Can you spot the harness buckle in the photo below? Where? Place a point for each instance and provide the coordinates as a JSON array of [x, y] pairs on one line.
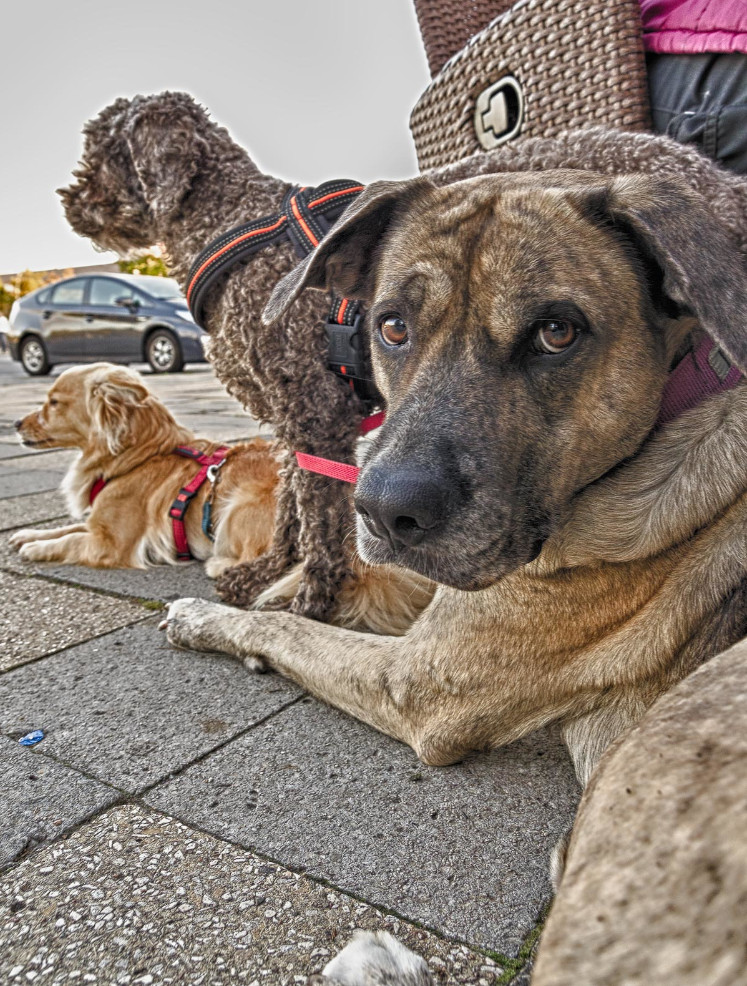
[[346, 356], [178, 508]]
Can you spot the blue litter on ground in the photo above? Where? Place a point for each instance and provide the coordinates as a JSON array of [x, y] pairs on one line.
[[32, 738]]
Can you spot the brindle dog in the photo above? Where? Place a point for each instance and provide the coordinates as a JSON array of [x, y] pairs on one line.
[[522, 329]]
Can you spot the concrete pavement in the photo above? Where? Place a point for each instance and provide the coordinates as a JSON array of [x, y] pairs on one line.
[[185, 822]]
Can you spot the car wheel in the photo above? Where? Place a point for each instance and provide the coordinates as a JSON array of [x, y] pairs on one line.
[[163, 352], [34, 358]]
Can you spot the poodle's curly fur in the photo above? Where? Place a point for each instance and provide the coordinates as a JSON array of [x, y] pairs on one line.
[[157, 169]]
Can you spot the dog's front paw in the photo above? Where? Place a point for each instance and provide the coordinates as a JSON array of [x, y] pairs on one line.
[[19, 538], [196, 624], [35, 551]]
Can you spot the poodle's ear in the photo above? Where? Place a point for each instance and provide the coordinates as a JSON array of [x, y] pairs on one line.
[[344, 261], [702, 267], [112, 396], [166, 135], [105, 202]]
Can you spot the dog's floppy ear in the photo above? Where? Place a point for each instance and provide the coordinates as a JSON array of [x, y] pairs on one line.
[[166, 138], [343, 261], [703, 267], [112, 396]]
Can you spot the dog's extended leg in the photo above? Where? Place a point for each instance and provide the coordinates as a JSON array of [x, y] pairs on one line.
[[79, 547], [372, 683], [28, 534]]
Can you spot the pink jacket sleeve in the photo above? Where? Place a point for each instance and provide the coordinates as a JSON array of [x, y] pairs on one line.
[[688, 27]]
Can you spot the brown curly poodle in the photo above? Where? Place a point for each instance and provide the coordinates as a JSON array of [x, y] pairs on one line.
[[157, 169]]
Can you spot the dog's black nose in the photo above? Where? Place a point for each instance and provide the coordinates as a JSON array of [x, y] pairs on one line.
[[17, 424], [400, 505]]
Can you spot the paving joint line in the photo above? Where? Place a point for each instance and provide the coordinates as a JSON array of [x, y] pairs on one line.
[[39, 520], [109, 593], [30, 850], [79, 643], [223, 743]]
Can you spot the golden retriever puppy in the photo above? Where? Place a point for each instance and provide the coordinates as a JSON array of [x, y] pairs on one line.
[[128, 476]]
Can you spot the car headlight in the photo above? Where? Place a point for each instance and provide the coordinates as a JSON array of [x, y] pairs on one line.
[[185, 313]]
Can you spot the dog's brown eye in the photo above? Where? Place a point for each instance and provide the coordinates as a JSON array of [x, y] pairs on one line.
[[554, 335], [393, 330], [52, 403]]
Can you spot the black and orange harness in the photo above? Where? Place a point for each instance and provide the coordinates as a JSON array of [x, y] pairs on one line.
[[307, 215]]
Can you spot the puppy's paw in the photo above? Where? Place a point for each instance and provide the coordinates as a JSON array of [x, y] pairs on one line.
[[377, 959], [196, 624], [19, 538], [36, 551], [217, 566]]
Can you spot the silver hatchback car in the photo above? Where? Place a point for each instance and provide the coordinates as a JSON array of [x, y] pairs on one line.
[[123, 318]]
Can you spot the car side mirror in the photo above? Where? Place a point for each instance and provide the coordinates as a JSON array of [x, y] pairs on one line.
[[131, 303]]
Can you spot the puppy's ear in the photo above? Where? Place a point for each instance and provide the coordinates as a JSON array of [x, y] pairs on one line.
[[703, 268], [166, 136], [112, 397], [344, 260]]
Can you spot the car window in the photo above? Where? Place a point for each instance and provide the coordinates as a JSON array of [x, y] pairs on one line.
[[163, 288], [106, 292], [68, 293], [43, 296]]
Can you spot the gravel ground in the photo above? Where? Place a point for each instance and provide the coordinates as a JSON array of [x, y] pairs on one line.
[[134, 897]]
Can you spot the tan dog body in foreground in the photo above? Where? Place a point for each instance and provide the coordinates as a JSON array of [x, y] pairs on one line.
[[127, 436], [491, 441]]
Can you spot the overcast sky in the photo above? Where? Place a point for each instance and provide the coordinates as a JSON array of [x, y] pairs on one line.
[[314, 89]]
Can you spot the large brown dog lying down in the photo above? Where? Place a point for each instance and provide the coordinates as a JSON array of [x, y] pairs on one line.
[[522, 329]]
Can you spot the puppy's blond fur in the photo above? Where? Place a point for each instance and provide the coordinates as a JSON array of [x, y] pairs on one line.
[[127, 437]]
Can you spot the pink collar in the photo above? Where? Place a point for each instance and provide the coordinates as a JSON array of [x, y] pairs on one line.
[[703, 372]]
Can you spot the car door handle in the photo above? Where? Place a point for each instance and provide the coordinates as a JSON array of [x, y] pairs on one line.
[[46, 314]]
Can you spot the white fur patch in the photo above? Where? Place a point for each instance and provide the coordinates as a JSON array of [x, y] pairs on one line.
[[378, 959]]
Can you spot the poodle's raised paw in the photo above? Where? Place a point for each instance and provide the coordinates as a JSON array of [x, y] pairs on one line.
[[197, 624], [377, 959]]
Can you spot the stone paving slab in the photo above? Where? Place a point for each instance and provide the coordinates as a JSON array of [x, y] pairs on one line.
[[41, 799], [31, 510], [53, 459], [38, 617], [10, 448], [128, 710], [133, 897], [16, 482], [464, 849], [161, 583]]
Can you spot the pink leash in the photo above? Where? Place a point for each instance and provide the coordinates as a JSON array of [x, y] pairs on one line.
[[339, 470]]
